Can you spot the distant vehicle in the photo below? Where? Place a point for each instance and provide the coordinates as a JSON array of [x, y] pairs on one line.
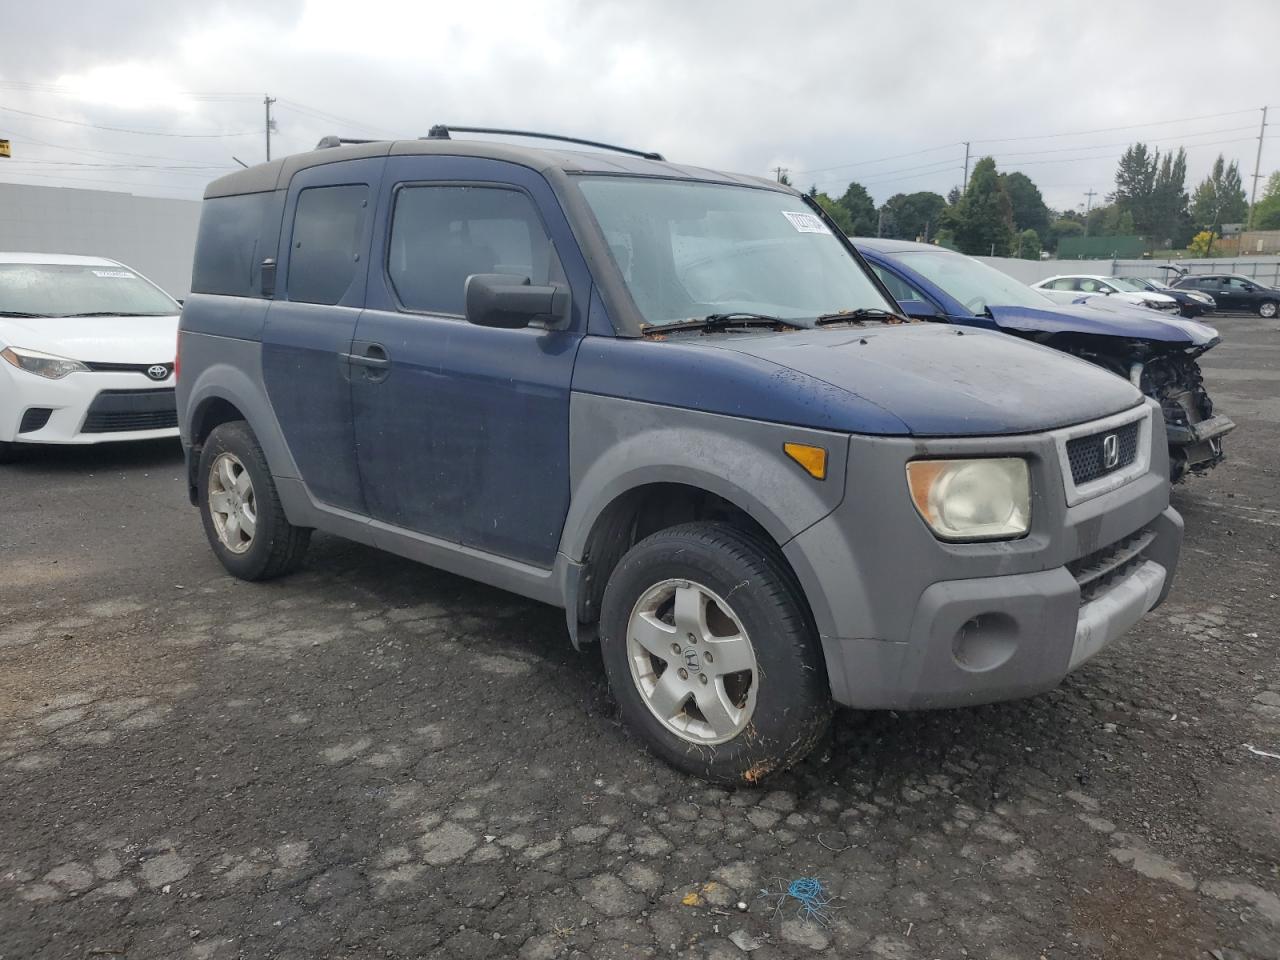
[[1070, 289], [1234, 292], [88, 345], [1156, 353], [677, 404], [1191, 303]]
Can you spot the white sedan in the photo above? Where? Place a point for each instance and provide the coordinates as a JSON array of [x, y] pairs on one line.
[[1072, 288], [86, 352]]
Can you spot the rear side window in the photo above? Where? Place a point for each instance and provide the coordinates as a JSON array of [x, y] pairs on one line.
[[442, 235], [900, 289], [328, 234], [236, 233]]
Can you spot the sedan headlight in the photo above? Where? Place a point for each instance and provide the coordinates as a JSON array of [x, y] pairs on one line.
[[41, 364], [1203, 298], [987, 499]]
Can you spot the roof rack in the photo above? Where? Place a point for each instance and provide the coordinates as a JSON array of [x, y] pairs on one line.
[[441, 131], [327, 142]]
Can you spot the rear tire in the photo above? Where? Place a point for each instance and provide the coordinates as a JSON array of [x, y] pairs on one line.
[[1267, 309], [711, 654], [241, 510]]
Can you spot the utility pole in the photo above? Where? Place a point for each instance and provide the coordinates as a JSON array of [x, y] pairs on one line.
[[780, 172], [267, 102], [1091, 193], [1257, 170], [965, 185]]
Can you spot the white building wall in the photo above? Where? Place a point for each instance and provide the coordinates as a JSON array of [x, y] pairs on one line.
[[154, 235]]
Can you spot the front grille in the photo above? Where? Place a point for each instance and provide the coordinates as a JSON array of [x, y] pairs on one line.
[[34, 419], [1087, 457], [131, 368], [119, 411], [1096, 571]]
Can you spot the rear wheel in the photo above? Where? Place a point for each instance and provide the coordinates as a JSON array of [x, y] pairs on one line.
[[711, 655], [1267, 309], [241, 510]]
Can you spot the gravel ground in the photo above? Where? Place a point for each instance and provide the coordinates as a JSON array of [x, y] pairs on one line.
[[374, 759]]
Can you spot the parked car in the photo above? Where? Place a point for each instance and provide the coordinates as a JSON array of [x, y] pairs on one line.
[[1156, 353], [1191, 303], [676, 403], [1232, 292], [1070, 289], [88, 345]]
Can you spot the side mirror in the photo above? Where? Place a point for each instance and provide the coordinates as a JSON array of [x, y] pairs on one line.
[[918, 309], [511, 302]]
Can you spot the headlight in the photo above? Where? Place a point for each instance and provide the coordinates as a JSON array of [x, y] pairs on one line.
[[987, 499], [1202, 298], [41, 364]]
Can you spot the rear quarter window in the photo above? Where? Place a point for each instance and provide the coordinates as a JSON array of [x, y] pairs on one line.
[[236, 233]]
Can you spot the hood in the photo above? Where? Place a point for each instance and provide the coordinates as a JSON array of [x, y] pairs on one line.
[[1106, 319], [941, 380], [95, 339]]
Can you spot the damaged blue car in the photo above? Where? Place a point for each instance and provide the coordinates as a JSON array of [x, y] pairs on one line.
[[1158, 354]]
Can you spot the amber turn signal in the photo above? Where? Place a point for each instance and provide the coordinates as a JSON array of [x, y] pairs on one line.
[[813, 459]]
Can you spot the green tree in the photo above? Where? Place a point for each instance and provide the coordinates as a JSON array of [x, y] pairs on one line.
[[1220, 197], [1064, 226], [1266, 215], [836, 211], [912, 216], [861, 209], [1170, 219], [1135, 185], [1029, 209], [1028, 245], [983, 219]]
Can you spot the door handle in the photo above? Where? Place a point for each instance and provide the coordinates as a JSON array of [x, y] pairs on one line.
[[365, 354]]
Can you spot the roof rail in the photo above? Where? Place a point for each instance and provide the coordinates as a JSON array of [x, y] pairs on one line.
[[327, 142], [441, 132]]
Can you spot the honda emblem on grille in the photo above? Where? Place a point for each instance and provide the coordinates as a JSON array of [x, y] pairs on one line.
[[1110, 450], [158, 372]]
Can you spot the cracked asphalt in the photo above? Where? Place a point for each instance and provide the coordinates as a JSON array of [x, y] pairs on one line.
[[375, 759]]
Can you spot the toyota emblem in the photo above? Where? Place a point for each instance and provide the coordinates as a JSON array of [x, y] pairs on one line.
[[1110, 450], [158, 371]]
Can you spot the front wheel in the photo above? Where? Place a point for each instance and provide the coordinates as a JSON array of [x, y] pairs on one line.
[[241, 510], [711, 655], [1267, 309]]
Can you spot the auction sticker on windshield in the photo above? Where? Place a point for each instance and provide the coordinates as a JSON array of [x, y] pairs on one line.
[[805, 222], [116, 274]]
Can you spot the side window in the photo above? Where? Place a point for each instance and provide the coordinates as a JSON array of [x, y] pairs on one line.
[[235, 234], [900, 289], [327, 229], [1086, 285], [1064, 283], [442, 235]]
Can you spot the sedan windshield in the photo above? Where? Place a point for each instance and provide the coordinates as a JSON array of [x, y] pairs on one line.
[[690, 250], [972, 282], [1128, 286], [70, 290]]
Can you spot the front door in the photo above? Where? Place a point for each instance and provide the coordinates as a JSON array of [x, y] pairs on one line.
[[462, 431], [328, 221]]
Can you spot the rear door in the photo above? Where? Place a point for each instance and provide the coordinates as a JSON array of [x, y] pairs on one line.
[[463, 431], [320, 288]]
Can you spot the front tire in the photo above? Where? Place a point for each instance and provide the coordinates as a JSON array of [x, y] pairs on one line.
[[711, 654], [1267, 309], [241, 509]]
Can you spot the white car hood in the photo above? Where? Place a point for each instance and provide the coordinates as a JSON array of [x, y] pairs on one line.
[[95, 339]]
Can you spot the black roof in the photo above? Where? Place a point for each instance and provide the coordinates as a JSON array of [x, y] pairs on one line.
[[277, 174]]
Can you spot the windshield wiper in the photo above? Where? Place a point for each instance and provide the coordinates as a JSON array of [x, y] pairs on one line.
[[19, 313], [723, 321], [110, 313], [858, 315]]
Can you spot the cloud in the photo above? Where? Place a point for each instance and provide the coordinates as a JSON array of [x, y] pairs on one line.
[[743, 85]]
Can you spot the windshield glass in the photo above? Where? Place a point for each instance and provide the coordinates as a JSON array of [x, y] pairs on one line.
[[688, 250], [1141, 283], [970, 281], [61, 290], [1128, 286]]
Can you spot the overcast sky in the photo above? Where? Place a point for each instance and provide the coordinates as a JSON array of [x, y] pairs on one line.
[[881, 92]]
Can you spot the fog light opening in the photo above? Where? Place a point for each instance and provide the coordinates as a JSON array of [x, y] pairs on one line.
[[985, 642]]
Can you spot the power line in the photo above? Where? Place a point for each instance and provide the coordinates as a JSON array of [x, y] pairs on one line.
[[861, 163], [1132, 126], [145, 133]]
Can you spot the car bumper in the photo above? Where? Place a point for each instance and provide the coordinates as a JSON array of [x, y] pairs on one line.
[[87, 407], [907, 621]]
